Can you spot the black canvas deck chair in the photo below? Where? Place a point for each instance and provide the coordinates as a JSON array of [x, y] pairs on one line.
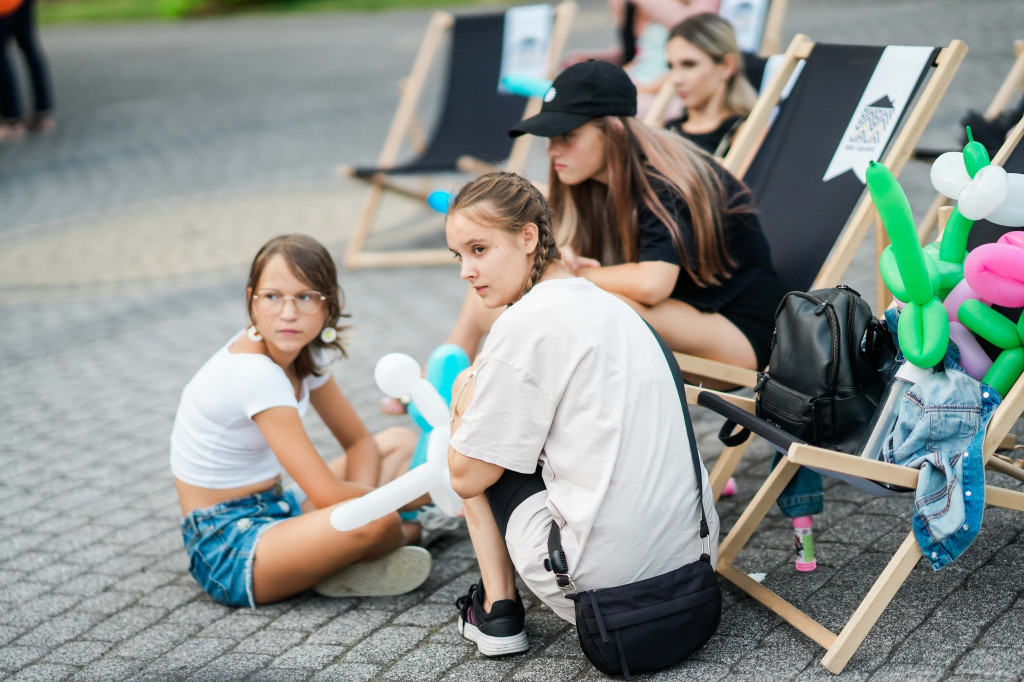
[[472, 129], [814, 210]]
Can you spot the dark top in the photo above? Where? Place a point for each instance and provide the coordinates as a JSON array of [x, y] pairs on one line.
[[711, 142], [752, 275]]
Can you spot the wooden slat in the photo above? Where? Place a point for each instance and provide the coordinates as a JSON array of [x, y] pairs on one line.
[[1002, 497], [851, 465], [695, 367]]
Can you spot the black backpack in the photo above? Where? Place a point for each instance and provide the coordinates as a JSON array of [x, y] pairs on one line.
[[827, 369]]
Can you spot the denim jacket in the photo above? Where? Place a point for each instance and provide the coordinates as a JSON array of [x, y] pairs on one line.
[[941, 430]]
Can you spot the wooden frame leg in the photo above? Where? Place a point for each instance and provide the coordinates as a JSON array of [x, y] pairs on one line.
[[870, 610], [358, 239]]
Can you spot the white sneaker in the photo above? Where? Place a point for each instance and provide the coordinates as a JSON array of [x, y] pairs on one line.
[[402, 571]]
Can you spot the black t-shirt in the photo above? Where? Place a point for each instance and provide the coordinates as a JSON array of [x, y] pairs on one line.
[[744, 242], [709, 142]]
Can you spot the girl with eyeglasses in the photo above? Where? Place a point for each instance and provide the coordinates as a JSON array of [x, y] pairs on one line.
[[249, 540]]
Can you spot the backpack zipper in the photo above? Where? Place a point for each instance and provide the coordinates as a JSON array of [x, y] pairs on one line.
[[824, 306]]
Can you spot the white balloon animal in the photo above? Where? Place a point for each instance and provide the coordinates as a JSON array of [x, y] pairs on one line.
[[397, 375], [992, 193]]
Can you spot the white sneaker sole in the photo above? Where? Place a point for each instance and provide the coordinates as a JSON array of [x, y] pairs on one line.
[[493, 646], [402, 571]]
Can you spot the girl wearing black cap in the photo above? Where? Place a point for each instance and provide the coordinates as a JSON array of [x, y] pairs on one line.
[[570, 413]]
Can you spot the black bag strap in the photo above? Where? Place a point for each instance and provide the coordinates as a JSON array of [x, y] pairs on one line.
[[557, 562]]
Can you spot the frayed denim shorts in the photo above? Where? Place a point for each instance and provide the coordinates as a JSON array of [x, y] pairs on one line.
[[220, 541]]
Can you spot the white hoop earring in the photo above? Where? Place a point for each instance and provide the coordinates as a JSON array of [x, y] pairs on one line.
[[253, 333], [329, 334]]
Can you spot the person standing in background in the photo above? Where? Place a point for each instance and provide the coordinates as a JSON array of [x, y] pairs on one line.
[[20, 25]]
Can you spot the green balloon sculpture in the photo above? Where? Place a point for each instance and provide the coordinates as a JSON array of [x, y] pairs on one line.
[[1002, 333], [924, 325], [954, 238]]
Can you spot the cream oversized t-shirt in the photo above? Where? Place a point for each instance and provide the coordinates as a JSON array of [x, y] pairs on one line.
[[571, 377]]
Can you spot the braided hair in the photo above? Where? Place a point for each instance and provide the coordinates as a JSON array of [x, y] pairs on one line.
[[510, 202]]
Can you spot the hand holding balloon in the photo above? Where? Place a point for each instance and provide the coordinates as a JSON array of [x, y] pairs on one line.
[[398, 374]]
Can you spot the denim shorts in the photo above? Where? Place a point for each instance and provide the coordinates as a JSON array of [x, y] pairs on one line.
[[220, 541]]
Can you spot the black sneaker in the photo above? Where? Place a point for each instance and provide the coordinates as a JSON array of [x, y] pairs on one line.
[[497, 633]]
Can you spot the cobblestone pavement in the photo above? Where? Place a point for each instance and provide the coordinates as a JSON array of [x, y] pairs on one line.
[[124, 237]]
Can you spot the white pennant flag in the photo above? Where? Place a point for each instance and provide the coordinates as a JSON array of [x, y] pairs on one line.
[[880, 107], [527, 38]]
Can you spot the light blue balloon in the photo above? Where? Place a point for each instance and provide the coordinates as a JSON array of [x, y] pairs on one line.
[[527, 86], [443, 366], [439, 200]]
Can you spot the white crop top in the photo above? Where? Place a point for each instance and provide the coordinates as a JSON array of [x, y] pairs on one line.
[[215, 443]]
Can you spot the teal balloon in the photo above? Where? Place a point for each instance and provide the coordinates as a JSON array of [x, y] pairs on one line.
[[527, 86], [443, 366], [439, 200]]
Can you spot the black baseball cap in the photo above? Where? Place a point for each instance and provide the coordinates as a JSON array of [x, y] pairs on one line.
[[583, 91]]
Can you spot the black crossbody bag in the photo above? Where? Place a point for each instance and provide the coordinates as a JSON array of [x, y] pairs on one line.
[[656, 622]]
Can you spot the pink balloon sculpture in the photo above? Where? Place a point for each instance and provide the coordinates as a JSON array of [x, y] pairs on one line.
[[994, 275]]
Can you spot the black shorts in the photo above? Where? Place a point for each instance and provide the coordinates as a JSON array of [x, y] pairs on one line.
[[509, 491], [753, 313]]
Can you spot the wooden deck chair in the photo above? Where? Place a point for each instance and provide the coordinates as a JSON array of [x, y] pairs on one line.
[[472, 129], [814, 226], [758, 27], [864, 474], [1011, 89]]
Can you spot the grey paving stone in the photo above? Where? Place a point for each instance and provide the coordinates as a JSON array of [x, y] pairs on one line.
[[38, 610], [231, 667], [903, 673], [308, 656], [108, 669], [189, 656], [691, 670], [16, 657], [544, 668], [24, 591], [154, 641], [281, 675], [936, 643], [270, 643], [312, 615], [480, 670], [85, 585], [109, 602], [43, 672], [350, 627], [236, 626], [60, 629], [992, 663], [347, 672], [201, 612], [722, 649], [427, 615], [386, 644], [78, 653], [773, 661], [126, 623], [426, 662]]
